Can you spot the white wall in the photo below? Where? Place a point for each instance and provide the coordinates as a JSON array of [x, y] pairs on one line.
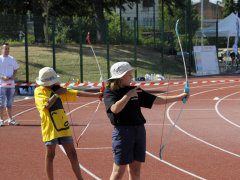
[[145, 15]]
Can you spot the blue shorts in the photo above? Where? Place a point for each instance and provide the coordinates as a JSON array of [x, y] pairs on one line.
[[6, 96], [66, 139], [129, 144]]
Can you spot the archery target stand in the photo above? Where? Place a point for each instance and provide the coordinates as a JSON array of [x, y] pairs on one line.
[[206, 61]]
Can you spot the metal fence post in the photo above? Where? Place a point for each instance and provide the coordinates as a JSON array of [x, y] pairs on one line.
[[53, 43], [135, 45], [81, 50], [137, 18], [107, 42], [162, 38], [154, 25], [189, 37], [26, 48]]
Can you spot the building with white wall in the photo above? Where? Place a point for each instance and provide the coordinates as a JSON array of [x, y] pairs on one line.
[[148, 11]]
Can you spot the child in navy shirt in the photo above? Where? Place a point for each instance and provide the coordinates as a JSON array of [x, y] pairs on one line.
[[123, 106]]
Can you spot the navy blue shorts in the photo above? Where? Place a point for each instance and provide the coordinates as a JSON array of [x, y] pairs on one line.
[[129, 144], [60, 140]]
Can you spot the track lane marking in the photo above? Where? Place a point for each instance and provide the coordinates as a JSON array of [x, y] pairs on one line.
[[194, 137], [81, 166], [175, 167], [224, 118], [150, 153]]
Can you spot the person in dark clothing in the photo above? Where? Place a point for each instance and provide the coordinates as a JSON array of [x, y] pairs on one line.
[[123, 106], [235, 59]]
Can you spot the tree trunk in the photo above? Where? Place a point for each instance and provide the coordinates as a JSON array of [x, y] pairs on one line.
[[101, 24], [46, 6], [46, 25], [38, 29]]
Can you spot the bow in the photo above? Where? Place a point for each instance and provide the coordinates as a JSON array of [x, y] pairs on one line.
[[101, 89], [186, 87], [184, 100], [96, 59], [70, 115]]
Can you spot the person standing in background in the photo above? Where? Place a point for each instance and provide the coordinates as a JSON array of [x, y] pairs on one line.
[[8, 71]]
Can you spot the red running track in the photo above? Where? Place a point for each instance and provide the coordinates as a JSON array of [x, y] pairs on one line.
[[204, 144]]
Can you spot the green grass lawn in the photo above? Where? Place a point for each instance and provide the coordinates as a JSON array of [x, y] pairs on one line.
[[68, 61]]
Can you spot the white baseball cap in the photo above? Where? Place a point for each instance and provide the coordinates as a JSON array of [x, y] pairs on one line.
[[47, 77], [119, 69]]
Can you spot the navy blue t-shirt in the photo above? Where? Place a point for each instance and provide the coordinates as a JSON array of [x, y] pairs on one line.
[[131, 113]]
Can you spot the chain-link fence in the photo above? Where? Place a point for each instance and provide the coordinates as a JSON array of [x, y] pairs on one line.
[[61, 43]]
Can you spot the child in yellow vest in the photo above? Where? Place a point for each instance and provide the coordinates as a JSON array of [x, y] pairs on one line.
[[49, 98]]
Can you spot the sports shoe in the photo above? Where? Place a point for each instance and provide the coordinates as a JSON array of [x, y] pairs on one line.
[[1, 123], [12, 122]]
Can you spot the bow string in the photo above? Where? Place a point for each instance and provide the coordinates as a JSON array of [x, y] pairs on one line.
[[102, 88], [184, 100]]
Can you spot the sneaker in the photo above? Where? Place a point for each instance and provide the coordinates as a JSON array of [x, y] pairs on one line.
[[1, 123], [12, 122]]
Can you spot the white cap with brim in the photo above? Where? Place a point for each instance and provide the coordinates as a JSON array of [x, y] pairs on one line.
[[47, 77], [119, 69]]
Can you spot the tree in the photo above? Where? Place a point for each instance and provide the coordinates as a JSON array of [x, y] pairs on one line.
[[230, 6], [81, 8], [99, 6], [92, 9], [14, 6], [172, 5], [46, 5], [63, 8], [12, 19]]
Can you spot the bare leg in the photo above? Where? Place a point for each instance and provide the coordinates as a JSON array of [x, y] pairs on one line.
[[50, 154], [117, 172], [72, 156], [134, 170]]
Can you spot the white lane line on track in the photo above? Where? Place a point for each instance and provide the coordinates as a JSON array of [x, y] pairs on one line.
[[147, 152], [18, 100], [232, 99], [157, 124], [82, 106], [22, 105], [178, 109], [24, 111], [94, 148], [30, 120], [175, 167], [81, 166], [194, 137], [151, 155], [197, 87], [224, 118], [165, 162], [168, 163]]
